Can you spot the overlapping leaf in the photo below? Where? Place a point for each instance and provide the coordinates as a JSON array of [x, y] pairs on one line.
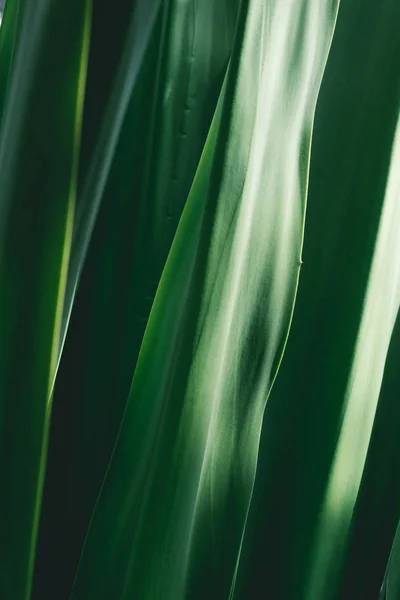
[[318, 422], [155, 150], [85, 230], [170, 517]]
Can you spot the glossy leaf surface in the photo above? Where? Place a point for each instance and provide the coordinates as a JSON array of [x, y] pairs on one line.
[[319, 418], [192, 422], [199, 299]]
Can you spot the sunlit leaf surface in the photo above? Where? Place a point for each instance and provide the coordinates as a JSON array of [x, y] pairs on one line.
[[318, 421], [199, 299], [149, 179], [217, 328], [380, 307]]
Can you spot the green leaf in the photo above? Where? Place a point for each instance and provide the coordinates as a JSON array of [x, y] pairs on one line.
[[319, 418], [7, 42], [179, 483], [141, 25], [155, 215], [168, 116], [39, 144], [377, 510], [391, 584]]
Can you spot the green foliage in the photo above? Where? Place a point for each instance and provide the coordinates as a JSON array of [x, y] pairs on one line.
[[39, 148], [199, 299]]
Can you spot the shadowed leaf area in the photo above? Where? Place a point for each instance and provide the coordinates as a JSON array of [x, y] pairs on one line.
[[199, 300]]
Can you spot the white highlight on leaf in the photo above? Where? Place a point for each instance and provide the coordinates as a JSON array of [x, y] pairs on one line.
[[381, 305]]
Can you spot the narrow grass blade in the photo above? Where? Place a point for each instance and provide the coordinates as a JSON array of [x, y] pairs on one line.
[[39, 137], [143, 19]]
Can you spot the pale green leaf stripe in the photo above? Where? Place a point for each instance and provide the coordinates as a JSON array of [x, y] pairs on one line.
[[265, 184], [258, 257], [380, 309], [252, 274]]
